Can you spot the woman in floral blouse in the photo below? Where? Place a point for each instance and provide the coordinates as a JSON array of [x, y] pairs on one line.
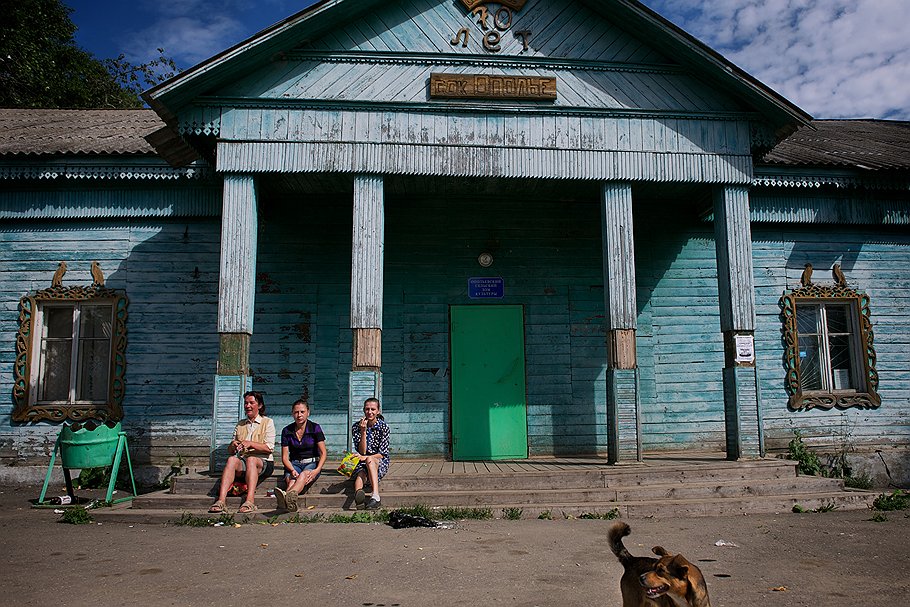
[[371, 441]]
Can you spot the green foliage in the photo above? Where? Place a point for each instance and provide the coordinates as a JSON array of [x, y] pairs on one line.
[[76, 515], [826, 507], [545, 515], [807, 461], [41, 66], [192, 520], [898, 500], [454, 513], [603, 516], [512, 514], [860, 481], [418, 510], [879, 517], [361, 516]]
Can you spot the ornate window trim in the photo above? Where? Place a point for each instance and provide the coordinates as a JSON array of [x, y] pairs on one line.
[[27, 411], [839, 292]]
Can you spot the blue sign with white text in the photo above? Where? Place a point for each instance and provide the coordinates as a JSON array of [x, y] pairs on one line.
[[485, 288]]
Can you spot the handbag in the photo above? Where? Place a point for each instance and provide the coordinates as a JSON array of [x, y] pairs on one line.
[[348, 463]]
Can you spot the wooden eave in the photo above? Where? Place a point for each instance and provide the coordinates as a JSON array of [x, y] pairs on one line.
[[169, 97]]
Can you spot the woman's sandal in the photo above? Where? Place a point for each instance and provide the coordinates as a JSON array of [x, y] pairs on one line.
[[218, 507], [247, 508]]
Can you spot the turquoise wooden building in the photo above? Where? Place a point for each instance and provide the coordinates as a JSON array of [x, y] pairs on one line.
[[530, 228]]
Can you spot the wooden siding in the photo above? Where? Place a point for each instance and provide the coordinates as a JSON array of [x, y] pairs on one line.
[[875, 260], [618, 255], [169, 270], [239, 233], [680, 346], [734, 259], [367, 253]]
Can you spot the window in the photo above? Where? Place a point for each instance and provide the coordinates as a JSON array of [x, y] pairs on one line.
[[829, 354], [70, 358]]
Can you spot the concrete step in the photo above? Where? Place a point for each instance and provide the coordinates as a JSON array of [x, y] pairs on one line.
[[804, 486], [666, 508], [602, 477]]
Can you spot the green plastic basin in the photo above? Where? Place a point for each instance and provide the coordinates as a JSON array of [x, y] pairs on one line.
[[88, 448]]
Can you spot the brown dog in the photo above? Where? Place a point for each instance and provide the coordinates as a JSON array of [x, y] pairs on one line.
[[668, 581]]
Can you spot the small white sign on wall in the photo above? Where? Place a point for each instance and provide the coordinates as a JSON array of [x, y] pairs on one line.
[[745, 348]]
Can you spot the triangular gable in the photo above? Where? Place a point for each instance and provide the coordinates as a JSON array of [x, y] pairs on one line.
[[566, 31]]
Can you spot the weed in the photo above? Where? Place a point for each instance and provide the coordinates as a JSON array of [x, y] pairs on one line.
[[192, 520], [77, 515], [545, 515], [826, 507], [453, 513], [99, 504], [359, 517], [879, 517], [418, 510], [512, 514], [298, 518], [861, 481], [807, 461], [898, 500], [602, 516]]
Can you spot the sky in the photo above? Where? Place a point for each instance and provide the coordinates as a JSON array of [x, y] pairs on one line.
[[832, 58]]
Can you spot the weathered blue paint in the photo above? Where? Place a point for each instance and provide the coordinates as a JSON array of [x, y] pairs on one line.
[[618, 255], [367, 253], [623, 420], [236, 289], [227, 410]]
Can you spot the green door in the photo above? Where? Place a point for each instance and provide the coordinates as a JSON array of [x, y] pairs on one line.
[[489, 408]]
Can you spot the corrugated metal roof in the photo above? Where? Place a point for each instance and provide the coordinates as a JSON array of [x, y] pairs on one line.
[[871, 145], [39, 132]]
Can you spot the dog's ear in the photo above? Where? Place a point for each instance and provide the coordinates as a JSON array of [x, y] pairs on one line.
[[678, 566], [660, 551]]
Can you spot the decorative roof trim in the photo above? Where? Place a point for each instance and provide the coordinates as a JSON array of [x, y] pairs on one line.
[[776, 178], [113, 169]]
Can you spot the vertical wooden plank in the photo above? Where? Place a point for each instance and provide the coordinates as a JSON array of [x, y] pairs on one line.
[[237, 280], [367, 253]]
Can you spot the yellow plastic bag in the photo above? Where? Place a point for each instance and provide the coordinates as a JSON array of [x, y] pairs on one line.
[[348, 464]]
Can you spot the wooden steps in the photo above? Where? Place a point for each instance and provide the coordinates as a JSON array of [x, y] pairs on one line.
[[654, 488]]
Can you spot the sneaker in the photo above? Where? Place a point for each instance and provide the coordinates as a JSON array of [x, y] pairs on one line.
[[290, 499], [373, 504], [281, 499], [359, 497]]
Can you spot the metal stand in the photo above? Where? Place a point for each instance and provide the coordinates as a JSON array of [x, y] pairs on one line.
[[115, 469]]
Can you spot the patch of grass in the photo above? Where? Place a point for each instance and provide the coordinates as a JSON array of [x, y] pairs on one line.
[[879, 517], [601, 516], [456, 513], [363, 516], [100, 504], [512, 514], [898, 500], [808, 462], [860, 481], [193, 520], [418, 510], [545, 515], [826, 507], [77, 515]]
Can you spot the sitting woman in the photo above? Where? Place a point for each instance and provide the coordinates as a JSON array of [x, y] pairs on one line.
[[303, 454], [251, 459], [371, 441]]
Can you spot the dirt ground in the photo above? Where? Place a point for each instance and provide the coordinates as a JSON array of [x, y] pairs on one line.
[[822, 559]]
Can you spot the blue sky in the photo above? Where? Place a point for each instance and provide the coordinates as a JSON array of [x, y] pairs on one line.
[[832, 58]]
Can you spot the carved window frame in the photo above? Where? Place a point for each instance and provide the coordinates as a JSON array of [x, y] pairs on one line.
[[858, 301], [27, 357]]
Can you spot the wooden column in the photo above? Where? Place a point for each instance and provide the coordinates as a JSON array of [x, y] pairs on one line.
[[623, 419], [236, 300], [736, 291], [366, 292]]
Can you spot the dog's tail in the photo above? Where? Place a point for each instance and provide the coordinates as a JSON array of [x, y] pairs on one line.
[[616, 533]]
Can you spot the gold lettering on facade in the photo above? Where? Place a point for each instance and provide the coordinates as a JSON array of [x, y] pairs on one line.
[[515, 5], [481, 86], [525, 36], [463, 35], [502, 20], [481, 14], [491, 41]]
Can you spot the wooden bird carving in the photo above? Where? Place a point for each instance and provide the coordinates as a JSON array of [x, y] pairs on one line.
[[97, 275], [57, 280], [838, 274], [806, 278]]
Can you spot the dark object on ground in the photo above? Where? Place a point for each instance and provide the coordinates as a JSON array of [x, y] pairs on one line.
[[400, 520]]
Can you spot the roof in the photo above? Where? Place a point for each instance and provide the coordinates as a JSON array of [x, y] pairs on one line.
[[40, 132], [170, 96], [871, 145]]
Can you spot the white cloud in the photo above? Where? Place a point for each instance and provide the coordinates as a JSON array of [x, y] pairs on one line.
[[832, 58]]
